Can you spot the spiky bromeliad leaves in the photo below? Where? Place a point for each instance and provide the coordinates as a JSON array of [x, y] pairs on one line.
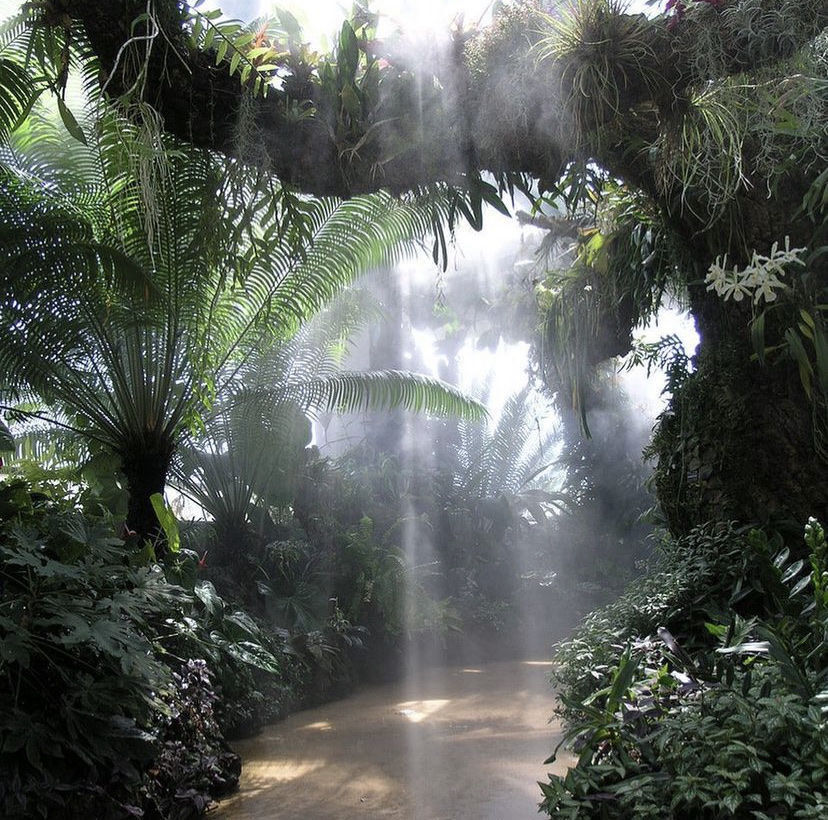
[[131, 301]]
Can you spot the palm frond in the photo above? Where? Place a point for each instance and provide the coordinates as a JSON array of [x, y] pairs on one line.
[[344, 240], [38, 56], [508, 457], [41, 442], [350, 392], [16, 95]]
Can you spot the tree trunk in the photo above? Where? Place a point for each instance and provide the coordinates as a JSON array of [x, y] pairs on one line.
[[738, 441], [145, 468]]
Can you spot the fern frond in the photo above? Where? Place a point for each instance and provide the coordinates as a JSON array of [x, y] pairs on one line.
[[349, 392]]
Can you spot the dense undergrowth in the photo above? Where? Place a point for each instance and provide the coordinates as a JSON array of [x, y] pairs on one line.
[[119, 686], [126, 666], [703, 691]]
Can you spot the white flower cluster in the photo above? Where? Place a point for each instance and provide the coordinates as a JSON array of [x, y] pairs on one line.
[[760, 279]]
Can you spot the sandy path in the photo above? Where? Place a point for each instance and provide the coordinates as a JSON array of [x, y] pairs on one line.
[[459, 743]]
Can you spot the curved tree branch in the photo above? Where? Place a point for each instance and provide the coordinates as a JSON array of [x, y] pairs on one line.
[[488, 104]]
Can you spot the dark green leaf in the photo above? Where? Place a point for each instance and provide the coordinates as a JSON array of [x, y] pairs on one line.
[[70, 122]]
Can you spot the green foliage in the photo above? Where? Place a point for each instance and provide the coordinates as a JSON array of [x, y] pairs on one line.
[[256, 53], [107, 708], [600, 54], [245, 465], [510, 459], [466, 529], [350, 83], [349, 392], [725, 128], [667, 354], [685, 575], [701, 161], [766, 31], [168, 522], [81, 683], [749, 749], [356, 519], [291, 581], [625, 265], [686, 729], [378, 577], [270, 283], [818, 551], [34, 58], [711, 126]]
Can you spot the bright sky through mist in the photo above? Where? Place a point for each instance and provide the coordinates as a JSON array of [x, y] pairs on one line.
[[321, 19]]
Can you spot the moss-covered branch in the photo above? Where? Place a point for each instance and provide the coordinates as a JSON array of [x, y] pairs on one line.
[[488, 104]]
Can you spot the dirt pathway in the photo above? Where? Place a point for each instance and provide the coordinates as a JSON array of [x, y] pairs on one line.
[[458, 743]]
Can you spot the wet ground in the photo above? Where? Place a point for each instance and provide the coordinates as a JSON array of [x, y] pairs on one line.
[[457, 743]]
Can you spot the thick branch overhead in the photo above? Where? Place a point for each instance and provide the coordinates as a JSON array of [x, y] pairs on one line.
[[489, 103]]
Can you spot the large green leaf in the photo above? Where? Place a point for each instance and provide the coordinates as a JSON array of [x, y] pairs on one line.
[[168, 521]]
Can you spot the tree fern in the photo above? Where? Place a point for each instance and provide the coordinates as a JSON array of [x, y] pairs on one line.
[[132, 307], [506, 458], [252, 447]]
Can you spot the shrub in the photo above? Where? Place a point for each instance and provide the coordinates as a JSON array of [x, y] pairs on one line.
[[194, 762], [701, 731], [695, 572], [103, 709], [79, 680]]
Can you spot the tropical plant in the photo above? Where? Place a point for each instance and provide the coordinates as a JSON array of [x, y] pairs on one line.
[[293, 584], [166, 286], [81, 683], [698, 570], [508, 457], [247, 460], [714, 117], [110, 673], [600, 55], [482, 498], [242, 468], [722, 719], [377, 579], [193, 763], [735, 126], [495, 499]]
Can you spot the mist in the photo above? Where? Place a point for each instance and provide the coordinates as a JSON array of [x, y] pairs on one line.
[[381, 497]]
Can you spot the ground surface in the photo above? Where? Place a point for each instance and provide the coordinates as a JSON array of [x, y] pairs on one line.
[[453, 744]]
